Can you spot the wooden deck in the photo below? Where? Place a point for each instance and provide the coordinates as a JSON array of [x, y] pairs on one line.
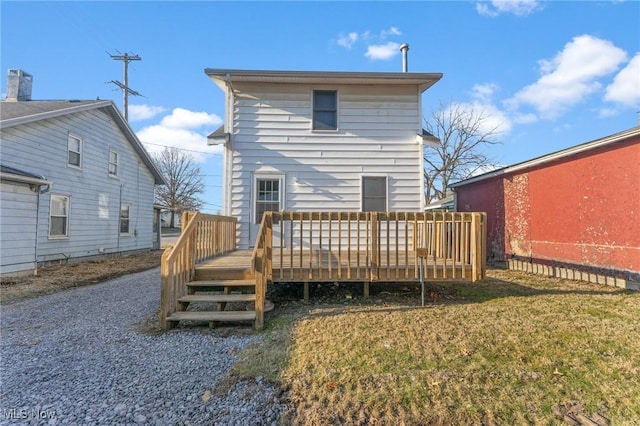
[[313, 247], [324, 266]]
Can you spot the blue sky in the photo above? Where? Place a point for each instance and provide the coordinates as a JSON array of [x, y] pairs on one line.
[[551, 74]]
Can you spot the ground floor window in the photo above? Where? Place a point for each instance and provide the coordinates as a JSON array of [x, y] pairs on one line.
[[125, 215], [59, 217], [374, 193]]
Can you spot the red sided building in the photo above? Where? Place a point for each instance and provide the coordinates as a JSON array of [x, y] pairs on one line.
[[576, 208]]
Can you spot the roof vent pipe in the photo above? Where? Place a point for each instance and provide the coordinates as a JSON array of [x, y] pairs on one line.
[[405, 61]]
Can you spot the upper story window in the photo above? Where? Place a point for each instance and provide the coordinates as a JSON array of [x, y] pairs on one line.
[[114, 160], [374, 194], [59, 217], [74, 148], [325, 110]]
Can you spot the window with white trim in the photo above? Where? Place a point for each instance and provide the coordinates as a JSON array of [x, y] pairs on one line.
[[114, 159], [59, 217], [74, 149], [267, 196], [374, 193], [125, 219], [325, 110]]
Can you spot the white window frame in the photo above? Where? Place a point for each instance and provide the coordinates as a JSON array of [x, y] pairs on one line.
[[79, 152], [67, 202], [386, 195], [254, 199], [116, 164], [313, 110], [128, 206]]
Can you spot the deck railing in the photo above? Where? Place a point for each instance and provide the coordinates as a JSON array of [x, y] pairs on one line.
[[203, 237], [371, 246]]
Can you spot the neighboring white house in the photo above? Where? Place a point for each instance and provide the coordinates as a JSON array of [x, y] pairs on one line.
[[320, 141], [76, 181]]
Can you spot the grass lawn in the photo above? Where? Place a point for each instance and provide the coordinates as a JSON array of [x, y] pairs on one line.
[[508, 350]]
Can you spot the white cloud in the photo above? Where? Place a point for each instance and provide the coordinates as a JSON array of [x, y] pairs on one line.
[[608, 112], [144, 112], [348, 40], [392, 31], [625, 88], [570, 76], [383, 52], [516, 7], [377, 46], [493, 120], [182, 129], [484, 92], [184, 119]]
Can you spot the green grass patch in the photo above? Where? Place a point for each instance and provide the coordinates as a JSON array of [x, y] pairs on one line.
[[505, 351]]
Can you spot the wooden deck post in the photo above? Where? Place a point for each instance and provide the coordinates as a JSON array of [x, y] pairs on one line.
[[375, 253]]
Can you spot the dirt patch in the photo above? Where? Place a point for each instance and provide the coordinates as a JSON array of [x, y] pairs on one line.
[[573, 413], [53, 278]]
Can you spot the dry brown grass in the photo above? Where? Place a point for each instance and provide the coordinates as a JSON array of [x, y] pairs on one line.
[[505, 351], [53, 278]]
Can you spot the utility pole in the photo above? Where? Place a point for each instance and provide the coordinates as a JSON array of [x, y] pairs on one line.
[[126, 91]]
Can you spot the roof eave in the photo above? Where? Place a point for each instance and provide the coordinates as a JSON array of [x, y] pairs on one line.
[[51, 114], [23, 179], [554, 156], [222, 76]]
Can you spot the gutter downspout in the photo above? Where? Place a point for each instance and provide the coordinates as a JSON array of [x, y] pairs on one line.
[[39, 192], [228, 154]]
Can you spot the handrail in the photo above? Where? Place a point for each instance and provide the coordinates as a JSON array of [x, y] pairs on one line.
[[374, 246], [261, 263], [203, 237]]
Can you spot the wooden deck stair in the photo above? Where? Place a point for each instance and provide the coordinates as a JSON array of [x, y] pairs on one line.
[[213, 288]]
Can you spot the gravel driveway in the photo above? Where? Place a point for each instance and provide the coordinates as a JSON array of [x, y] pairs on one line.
[[76, 357]]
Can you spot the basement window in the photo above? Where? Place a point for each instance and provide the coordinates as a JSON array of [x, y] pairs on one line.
[[325, 110]]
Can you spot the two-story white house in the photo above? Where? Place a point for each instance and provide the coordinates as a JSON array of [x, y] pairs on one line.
[[75, 181], [320, 141]]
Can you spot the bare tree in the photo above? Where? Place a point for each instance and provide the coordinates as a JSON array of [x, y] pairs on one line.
[[463, 133], [184, 182]]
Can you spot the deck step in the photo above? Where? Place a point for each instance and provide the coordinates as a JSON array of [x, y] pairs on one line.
[[212, 316], [222, 283], [218, 298], [224, 273]]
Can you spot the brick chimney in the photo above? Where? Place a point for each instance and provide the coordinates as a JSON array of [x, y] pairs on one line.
[[19, 85]]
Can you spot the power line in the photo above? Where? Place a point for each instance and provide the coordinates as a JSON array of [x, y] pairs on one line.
[[126, 91], [184, 149]]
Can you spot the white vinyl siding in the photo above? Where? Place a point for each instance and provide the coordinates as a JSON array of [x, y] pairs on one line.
[[17, 227], [41, 147], [59, 216], [272, 130], [74, 148]]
